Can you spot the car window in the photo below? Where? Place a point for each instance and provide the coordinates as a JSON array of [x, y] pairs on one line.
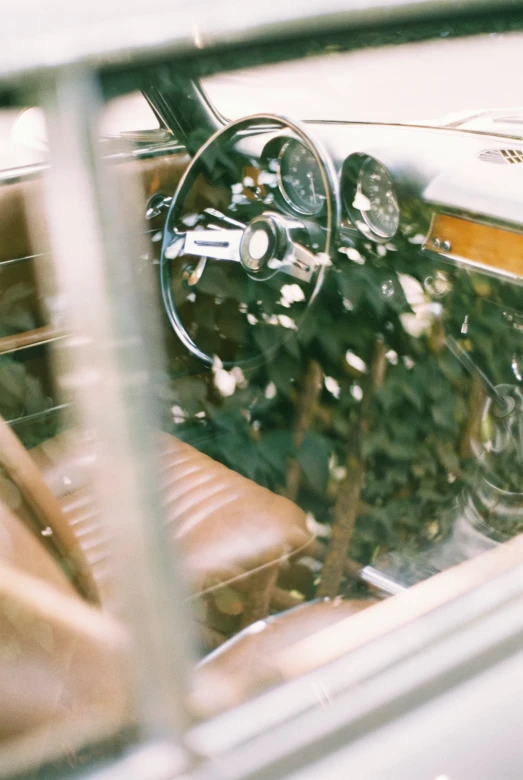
[[383, 403], [261, 412], [335, 84], [23, 139]]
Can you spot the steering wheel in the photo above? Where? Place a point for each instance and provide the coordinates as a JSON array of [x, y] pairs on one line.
[[222, 274]]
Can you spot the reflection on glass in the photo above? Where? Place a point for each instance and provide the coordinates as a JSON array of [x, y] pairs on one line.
[[341, 418]]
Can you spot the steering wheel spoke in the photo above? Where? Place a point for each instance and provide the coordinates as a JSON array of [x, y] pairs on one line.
[[214, 244], [300, 263]]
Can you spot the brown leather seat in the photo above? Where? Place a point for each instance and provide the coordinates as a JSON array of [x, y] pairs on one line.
[[62, 666], [247, 663], [67, 684], [227, 526], [62, 675], [63, 681]]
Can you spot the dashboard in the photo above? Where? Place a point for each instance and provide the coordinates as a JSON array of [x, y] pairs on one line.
[[460, 193]]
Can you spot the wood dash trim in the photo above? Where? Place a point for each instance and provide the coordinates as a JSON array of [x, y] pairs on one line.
[[496, 248]]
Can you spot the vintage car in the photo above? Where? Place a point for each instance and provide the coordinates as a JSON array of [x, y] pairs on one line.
[[261, 408]]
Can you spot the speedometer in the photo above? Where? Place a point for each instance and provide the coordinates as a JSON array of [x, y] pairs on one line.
[[299, 179], [376, 199]]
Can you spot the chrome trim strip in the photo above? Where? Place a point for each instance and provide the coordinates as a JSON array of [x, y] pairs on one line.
[[14, 260], [23, 347], [28, 172], [382, 581], [38, 415]]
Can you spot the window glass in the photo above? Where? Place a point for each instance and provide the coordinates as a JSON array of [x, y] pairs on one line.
[[250, 398], [406, 83], [23, 135], [384, 403]]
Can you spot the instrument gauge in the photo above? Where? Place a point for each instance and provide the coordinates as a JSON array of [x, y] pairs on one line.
[[376, 200], [299, 179]]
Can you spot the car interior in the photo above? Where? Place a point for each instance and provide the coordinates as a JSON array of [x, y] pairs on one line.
[[342, 418]]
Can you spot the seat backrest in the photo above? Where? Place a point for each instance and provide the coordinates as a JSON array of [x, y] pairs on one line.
[[226, 525], [24, 489]]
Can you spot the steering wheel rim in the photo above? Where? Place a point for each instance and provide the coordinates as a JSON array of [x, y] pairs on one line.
[[225, 135]]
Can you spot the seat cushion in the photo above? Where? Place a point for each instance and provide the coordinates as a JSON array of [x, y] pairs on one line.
[[226, 525], [63, 669], [249, 662]]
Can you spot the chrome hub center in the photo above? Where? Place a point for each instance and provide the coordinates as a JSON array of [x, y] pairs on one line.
[[258, 244], [265, 239]]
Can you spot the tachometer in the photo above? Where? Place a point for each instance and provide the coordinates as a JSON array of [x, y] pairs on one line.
[[376, 199], [299, 179]]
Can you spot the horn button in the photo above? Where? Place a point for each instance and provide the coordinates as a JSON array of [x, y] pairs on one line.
[[265, 239]]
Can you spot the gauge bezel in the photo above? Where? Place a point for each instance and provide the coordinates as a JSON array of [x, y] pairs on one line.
[[281, 186], [350, 178]]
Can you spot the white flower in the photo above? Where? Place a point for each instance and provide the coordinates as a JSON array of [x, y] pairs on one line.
[[190, 219], [424, 311], [239, 376], [270, 391], [356, 392], [392, 357], [332, 386], [317, 529], [419, 238], [268, 178], [322, 258], [414, 292], [352, 254], [361, 202], [178, 414], [286, 322], [416, 324], [291, 293], [224, 381], [174, 249], [355, 361]]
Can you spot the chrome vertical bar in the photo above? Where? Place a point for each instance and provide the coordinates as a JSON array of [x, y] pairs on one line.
[[109, 370]]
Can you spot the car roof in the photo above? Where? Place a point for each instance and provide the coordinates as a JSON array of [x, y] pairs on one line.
[[43, 35]]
